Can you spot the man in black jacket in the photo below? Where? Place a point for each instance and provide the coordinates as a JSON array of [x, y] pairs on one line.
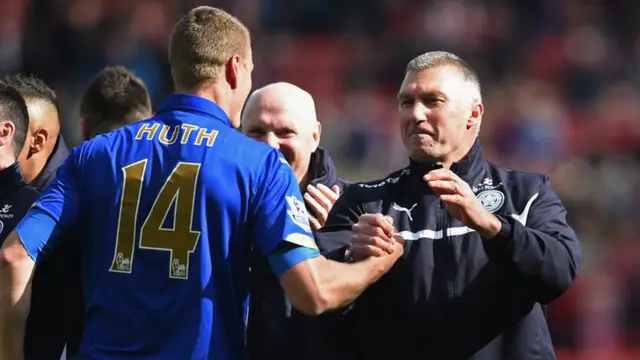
[[486, 248], [44, 149], [16, 197], [283, 116]]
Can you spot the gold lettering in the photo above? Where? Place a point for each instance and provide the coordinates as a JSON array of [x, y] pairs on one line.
[[149, 130], [188, 128], [163, 135], [210, 136]]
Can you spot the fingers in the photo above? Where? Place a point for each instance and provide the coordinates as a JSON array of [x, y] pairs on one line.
[[443, 186], [441, 174], [315, 224], [384, 244], [453, 199], [319, 210], [336, 190], [330, 195], [321, 197], [385, 223], [321, 200], [361, 252]]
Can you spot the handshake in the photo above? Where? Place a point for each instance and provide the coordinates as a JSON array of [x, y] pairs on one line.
[[374, 235]]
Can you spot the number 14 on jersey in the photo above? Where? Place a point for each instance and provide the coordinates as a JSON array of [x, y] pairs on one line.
[[179, 190]]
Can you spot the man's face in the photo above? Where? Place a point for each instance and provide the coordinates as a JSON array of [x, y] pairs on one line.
[[436, 111], [271, 123]]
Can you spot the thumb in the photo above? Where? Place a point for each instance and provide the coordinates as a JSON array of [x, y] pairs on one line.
[[336, 189]]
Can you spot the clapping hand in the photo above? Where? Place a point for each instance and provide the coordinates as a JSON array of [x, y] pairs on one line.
[[321, 199], [462, 203]]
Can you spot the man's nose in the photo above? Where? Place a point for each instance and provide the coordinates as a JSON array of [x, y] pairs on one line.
[[272, 140], [419, 112]]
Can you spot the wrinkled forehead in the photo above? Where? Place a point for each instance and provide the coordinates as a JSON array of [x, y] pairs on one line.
[[444, 80]]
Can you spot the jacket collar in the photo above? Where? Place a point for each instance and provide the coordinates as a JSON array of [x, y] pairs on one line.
[[466, 168], [10, 179], [194, 104], [322, 170], [57, 157]]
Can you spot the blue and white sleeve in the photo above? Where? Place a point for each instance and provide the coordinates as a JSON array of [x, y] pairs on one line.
[[281, 226], [57, 207]]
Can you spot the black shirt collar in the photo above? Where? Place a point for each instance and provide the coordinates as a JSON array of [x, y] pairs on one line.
[[57, 157], [10, 179], [322, 170]]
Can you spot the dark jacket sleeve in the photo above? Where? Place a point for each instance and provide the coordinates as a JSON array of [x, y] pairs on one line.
[[540, 244], [334, 237]]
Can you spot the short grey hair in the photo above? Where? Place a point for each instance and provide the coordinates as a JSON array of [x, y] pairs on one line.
[[435, 59]]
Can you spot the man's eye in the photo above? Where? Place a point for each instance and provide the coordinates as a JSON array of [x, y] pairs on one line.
[[406, 102], [285, 133]]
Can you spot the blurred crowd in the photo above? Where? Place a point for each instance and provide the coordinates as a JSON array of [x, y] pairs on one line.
[[560, 85]]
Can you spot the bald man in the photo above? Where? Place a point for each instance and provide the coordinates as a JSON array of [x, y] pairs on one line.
[[284, 116], [45, 148]]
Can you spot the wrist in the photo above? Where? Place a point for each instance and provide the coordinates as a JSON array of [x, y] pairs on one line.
[[491, 227]]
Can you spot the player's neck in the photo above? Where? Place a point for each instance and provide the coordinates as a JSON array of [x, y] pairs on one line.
[[6, 162], [214, 92]]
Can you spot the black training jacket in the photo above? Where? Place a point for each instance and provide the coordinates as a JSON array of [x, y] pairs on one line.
[[16, 198], [454, 295]]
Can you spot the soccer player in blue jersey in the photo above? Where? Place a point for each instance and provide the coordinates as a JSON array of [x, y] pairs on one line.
[[170, 209]]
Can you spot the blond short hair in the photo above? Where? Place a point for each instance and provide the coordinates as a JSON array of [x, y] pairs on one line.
[[202, 42]]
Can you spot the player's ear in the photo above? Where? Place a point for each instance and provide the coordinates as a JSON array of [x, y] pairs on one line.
[[317, 132], [232, 71], [475, 118], [39, 139], [7, 129]]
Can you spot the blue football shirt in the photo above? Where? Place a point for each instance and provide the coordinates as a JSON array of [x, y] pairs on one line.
[[169, 209]]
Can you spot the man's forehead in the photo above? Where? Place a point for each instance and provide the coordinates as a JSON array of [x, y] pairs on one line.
[[446, 80], [269, 118]]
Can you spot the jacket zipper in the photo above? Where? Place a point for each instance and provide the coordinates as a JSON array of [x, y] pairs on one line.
[[451, 286]]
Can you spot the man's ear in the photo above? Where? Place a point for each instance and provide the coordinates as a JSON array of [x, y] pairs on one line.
[[475, 118], [7, 129], [317, 132], [40, 138], [232, 71]]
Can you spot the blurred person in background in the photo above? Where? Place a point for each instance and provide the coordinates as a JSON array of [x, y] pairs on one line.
[[283, 116], [186, 295], [45, 148], [16, 196], [116, 97], [486, 248]]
